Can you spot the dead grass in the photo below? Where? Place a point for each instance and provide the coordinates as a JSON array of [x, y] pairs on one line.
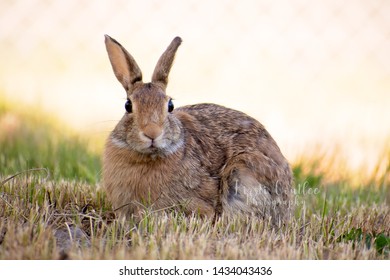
[[43, 219]]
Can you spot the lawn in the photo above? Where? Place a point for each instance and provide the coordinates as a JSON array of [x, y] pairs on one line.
[[52, 207]]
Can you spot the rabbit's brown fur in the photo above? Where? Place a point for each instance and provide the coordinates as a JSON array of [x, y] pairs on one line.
[[202, 158]]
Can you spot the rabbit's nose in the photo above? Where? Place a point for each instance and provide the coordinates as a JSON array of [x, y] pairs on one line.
[[152, 131]]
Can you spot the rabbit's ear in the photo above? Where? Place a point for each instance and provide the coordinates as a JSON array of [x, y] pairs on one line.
[[125, 68], [164, 64]]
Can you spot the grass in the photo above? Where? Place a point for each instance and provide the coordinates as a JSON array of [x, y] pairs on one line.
[[66, 215], [35, 140]]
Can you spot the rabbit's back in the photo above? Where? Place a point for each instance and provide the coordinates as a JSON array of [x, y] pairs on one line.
[[230, 131]]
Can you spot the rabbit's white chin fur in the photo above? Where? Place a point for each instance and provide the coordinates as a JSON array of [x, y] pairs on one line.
[[159, 147]]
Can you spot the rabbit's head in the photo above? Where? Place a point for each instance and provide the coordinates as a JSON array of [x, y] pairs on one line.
[[148, 127]]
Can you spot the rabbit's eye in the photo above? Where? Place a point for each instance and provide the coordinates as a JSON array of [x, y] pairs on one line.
[[128, 106], [170, 106]]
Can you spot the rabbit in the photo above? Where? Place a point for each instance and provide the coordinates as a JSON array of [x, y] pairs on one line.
[[202, 159]]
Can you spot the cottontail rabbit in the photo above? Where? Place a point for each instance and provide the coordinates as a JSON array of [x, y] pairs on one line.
[[204, 159]]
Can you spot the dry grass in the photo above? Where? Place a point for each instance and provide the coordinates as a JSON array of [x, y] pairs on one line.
[[43, 219]]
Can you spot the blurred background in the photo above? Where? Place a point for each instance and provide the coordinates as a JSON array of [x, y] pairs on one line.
[[315, 73]]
